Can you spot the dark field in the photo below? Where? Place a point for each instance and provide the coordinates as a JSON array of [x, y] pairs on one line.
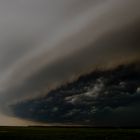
[[60, 133]]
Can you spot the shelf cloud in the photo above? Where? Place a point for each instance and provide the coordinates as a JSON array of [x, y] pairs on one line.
[[49, 43]]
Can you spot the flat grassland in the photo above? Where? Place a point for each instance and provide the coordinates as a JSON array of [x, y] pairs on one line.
[[68, 133]]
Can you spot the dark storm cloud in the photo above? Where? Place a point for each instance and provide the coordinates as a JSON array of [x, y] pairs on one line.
[[48, 43], [103, 98]]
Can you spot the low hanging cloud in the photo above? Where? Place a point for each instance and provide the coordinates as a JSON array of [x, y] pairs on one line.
[[103, 98]]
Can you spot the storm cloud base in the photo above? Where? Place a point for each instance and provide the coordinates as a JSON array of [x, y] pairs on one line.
[[102, 98]]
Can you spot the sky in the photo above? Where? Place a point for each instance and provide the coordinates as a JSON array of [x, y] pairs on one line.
[[49, 43]]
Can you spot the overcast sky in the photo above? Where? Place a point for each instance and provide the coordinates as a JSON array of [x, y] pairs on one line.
[[51, 42]]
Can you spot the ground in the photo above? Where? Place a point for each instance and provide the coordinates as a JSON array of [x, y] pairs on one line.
[[68, 133]]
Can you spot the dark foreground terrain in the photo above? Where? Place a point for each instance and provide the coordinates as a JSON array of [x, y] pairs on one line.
[[70, 133]]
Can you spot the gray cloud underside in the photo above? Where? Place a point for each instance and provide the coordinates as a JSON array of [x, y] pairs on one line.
[[112, 49]]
